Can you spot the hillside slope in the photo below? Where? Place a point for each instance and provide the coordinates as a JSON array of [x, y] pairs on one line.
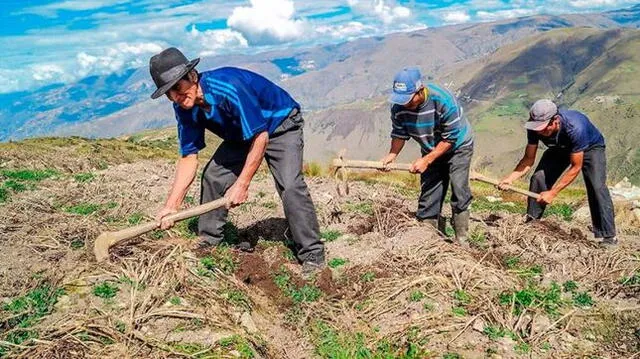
[[392, 289]]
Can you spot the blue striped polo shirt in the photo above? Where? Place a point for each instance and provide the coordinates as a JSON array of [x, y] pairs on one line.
[[439, 118], [243, 104]]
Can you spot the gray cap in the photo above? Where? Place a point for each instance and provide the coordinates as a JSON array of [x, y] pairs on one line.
[[541, 113]]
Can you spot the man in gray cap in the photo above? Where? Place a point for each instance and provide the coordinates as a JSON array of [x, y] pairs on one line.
[[573, 142], [256, 120]]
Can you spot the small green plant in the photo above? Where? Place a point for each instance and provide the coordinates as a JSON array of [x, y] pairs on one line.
[[120, 326], [189, 200], [429, 307], [188, 228], [77, 243], [450, 355], [459, 311], [237, 298], [477, 238], [522, 348], [83, 177], [511, 262], [368, 277], [175, 300], [449, 231], [222, 259], [582, 299], [570, 286], [135, 218], [307, 293], [15, 186], [270, 205], [545, 346], [462, 297], [330, 235], [534, 297], [287, 253], [28, 175], [105, 290], [4, 195], [562, 210], [83, 209], [27, 310], [632, 280], [365, 207], [336, 262], [493, 332], [416, 296]]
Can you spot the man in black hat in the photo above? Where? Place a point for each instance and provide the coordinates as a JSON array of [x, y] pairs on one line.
[[256, 119], [575, 143]]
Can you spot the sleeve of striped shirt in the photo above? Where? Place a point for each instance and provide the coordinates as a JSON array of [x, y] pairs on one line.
[[397, 129], [451, 115]]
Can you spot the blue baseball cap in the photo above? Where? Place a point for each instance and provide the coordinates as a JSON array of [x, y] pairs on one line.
[[405, 84]]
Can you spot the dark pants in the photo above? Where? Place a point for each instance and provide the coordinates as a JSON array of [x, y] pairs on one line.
[[594, 171], [451, 167], [284, 157]]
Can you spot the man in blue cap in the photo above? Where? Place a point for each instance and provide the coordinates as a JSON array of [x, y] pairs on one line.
[[257, 120], [432, 116], [575, 143]]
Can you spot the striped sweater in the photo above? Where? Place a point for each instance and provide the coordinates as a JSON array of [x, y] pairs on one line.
[[439, 118]]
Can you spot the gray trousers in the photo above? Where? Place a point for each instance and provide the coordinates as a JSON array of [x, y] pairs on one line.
[[451, 167], [284, 157], [553, 163]]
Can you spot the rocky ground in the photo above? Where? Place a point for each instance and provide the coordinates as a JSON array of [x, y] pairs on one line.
[[393, 288]]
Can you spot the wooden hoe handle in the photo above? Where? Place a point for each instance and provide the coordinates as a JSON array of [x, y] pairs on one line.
[[108, 239], [478, 177]]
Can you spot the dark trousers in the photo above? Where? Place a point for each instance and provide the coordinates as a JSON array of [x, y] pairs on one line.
[[284, 157], [553, 163], [451, 167]]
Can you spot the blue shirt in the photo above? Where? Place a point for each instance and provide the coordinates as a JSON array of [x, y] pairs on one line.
[[439, 118], [576, 134], [243, 104]]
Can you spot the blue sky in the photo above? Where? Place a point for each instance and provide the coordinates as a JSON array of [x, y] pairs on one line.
[[50, 41]]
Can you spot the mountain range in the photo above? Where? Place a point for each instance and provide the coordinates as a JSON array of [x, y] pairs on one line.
[[585, 61]]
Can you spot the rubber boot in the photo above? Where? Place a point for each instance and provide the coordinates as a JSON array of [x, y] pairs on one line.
[[461, 227]]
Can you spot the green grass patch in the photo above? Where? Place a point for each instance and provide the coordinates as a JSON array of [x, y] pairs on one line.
[[330, 235], [77, 243], [15, 186], [478, 238], [459, 311], [105, 290], [331, 343], [270, 205], [494, 332], [367, 277], [4, 194], [562, 210], [582, 299], [135, 218], [462, 297], [237, 298], [416, 296], [450, 355], [83, 209], [533, 297], [84, 177], [188, 228], [364, 207], [336, 262], [306, 293], [28, 175], [632, 280], [175, 300], [569, 286], [24, 312], [222, 259]]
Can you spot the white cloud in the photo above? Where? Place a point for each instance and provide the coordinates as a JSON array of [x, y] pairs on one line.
[[387, 12], [504, 14], [456, 17], [115, 58], [213, 41], [267, 22], [348, 30], [47, 72], [595, 3]]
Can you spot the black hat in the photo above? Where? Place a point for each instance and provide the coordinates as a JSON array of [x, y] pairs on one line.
[[167, 68]]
